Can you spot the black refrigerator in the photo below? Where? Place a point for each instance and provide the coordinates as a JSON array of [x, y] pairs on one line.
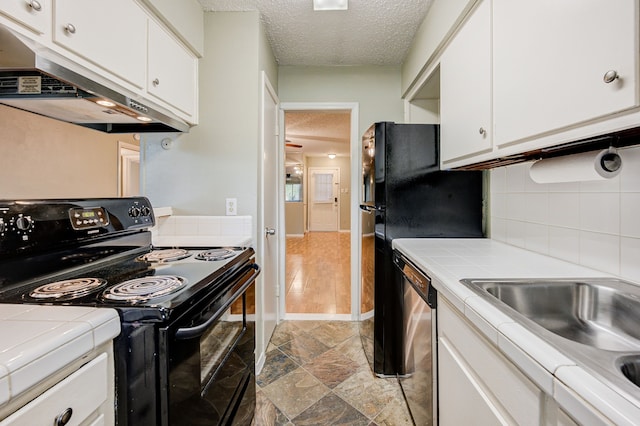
[[405, 195]]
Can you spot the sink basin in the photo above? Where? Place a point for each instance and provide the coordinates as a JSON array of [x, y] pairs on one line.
[[603, 314], [630, 368], [595, 322]]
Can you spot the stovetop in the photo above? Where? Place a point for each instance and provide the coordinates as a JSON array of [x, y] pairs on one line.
[[193, 274]]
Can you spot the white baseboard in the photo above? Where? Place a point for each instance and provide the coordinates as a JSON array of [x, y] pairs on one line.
[[345, 230], [366, 315], [295, 235], [316, 317]]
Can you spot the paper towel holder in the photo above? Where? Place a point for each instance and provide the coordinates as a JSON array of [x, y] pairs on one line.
[[585, 166], [611, 160]]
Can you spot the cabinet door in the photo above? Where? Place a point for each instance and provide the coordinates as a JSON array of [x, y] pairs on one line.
[[33, 14], [550, 58], [111, 34], [172, 71], [461, 399], [465, 88]]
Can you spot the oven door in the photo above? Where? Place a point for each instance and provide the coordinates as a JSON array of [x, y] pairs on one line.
[[211, 361]]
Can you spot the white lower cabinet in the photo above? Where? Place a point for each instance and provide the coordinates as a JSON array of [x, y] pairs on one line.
[[478, 385], [502, 394], [77, 397]]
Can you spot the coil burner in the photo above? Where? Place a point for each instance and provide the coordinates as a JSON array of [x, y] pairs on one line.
[[146, 288], [165, 255], [68, 289], [215, 254]]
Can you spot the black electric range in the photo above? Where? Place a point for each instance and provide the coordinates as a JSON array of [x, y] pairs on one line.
[[186, 341]]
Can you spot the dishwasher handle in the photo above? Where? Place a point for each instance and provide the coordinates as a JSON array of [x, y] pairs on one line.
[[418, 279]]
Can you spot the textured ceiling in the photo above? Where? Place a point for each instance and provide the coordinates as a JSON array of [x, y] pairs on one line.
[[371, 32], [319, 133]]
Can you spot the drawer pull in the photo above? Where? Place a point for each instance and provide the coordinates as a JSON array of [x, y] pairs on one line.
[[64, 417], [70, 28], [35, 5], [610, 76], [156, 82]]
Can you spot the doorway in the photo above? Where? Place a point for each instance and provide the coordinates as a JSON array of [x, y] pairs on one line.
[[128, 169], [320, 277]]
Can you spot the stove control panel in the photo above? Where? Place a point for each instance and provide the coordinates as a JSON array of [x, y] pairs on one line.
[[88, 218], [38, 225]]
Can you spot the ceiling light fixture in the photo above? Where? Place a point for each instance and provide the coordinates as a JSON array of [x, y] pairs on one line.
[[332, 156], [330, 4]]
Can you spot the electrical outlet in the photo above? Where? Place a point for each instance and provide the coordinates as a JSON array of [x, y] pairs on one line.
[[231, 206]]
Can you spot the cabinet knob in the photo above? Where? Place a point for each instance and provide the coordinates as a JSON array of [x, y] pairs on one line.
[[70, 28], [35, 5], [610, 76], [482, 131], [156, 82], [64, 417]]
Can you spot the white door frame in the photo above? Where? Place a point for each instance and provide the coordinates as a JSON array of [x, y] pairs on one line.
[[127, 153], [356, 177], [311, 170]]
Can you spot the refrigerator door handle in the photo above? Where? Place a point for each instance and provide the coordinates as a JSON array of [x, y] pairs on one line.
[[368, 208]]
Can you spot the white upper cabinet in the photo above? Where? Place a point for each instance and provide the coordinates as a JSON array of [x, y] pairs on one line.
[[173, 71], [33, 14], [111, 34], [465, 88], [185, 18], [550, 62]]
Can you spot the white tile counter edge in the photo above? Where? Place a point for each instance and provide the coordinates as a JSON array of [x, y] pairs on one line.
[[37, 341], [447, 261]]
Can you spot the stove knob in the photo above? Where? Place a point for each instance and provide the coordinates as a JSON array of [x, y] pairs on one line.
[[134, 212], [3, 227], [146, 211], [24, 223]]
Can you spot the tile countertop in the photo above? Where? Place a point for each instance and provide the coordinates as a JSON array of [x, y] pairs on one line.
[[447, 261], [37, 341]]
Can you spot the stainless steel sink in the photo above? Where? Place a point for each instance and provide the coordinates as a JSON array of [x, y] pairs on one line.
[[602, 314], [596, 322]]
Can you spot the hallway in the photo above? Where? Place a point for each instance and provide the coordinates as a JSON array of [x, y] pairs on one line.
[[316, 373], [318, 279]]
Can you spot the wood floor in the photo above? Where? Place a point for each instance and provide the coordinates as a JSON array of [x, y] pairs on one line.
[[318, 277]]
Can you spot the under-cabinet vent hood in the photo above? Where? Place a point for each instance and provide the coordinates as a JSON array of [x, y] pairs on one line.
[[32, 79]]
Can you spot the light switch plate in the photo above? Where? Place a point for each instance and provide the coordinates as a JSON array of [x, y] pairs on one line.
[[231, 206]]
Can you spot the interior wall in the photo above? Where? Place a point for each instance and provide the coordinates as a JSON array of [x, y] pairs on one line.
[[294, 218], [594, 224], [376, 89], [46, 158], [342, 163], [217, 159]]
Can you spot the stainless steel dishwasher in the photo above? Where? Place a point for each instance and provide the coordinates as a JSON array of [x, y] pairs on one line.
[[418, 372]]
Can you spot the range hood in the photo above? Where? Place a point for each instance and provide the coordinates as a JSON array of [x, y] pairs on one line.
[[33, 80]]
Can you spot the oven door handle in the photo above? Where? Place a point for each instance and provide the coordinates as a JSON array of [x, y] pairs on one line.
[[199, 330]]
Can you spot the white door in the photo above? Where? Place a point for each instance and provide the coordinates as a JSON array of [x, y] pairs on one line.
[[267, 292], [323, 199]]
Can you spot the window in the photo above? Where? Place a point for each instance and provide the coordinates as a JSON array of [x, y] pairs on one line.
[[293, 189]]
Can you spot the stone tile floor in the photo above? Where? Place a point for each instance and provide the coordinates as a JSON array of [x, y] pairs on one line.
[[316, 373]]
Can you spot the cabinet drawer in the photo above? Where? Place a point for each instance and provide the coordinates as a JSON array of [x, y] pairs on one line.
[[83, 391]]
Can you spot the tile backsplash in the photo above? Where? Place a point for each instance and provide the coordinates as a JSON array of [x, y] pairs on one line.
[[595, 224], [204, 226]]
